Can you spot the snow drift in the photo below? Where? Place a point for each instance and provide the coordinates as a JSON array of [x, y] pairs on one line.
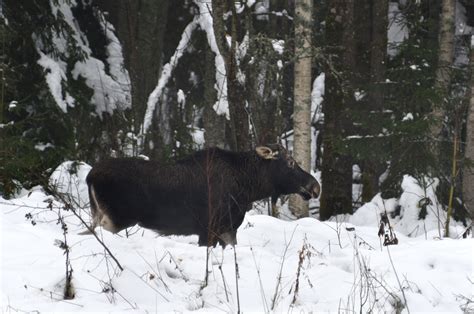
[[304, 265]]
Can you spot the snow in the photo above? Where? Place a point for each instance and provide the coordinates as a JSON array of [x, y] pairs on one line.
[[12, 104], [413, 197], [359, 95], [228, 40], [397, 29], [198, 137], [70, 178], [250, 3], [105, 97], [408, 117], [280, 64], [110, 91], [181, 97], [116, 60], [241, 51], [278, 45], [55, 74], [343, 266], [42, 146], [262, 10], [317, 94], [2, 125]]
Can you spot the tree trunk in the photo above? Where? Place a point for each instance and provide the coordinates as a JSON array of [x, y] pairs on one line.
[[445, 60], [372, 168], [363, 14], [239, 123], [302, 97], [140, 26], [468, 172], [214, 124], [262, 82], [336, 175]]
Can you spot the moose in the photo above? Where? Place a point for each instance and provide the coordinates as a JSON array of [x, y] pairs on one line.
[[207, 193]]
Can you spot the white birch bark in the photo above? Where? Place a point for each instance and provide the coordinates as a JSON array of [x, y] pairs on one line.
[[302, 97], [445, 60]]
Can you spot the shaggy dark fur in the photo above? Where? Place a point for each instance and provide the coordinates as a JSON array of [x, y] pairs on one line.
[[207, 193]]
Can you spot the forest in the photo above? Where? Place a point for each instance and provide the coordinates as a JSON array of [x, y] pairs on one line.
[[374, 98], [373, 90]]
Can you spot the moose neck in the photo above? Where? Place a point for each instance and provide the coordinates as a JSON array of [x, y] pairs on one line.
[[258, 172]]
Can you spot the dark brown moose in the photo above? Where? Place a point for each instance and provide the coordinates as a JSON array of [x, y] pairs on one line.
[[207, 193]]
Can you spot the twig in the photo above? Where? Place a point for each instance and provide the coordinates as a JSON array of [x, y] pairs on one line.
[[301, 256], [61, 197], [468, 306], [68, 288], [223, 279], [236, 278], [398, 279], [262, 290], [146, 283], [277, 288], [157, 275], [337, 230], [185, 278], [51, 293]]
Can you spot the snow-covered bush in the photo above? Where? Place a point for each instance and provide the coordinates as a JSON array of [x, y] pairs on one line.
[[417, 212], [69, 178]]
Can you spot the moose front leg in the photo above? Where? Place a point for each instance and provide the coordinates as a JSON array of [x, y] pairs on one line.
[[228, 238], [207, 238], [235, 217]]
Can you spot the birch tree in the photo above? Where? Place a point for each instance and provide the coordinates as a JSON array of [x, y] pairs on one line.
[[445, 60], [302, 97]]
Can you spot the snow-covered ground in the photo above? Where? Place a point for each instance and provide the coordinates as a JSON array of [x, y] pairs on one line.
[[302, 266]]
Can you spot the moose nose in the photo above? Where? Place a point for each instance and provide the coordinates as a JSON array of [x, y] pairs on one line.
[[315, 189]]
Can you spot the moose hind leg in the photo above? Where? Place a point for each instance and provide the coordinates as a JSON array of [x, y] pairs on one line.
[[96, 213], [99, 215], [203, 238], [108, 224]]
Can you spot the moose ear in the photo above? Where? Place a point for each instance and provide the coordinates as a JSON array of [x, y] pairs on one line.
[[266, 152]]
